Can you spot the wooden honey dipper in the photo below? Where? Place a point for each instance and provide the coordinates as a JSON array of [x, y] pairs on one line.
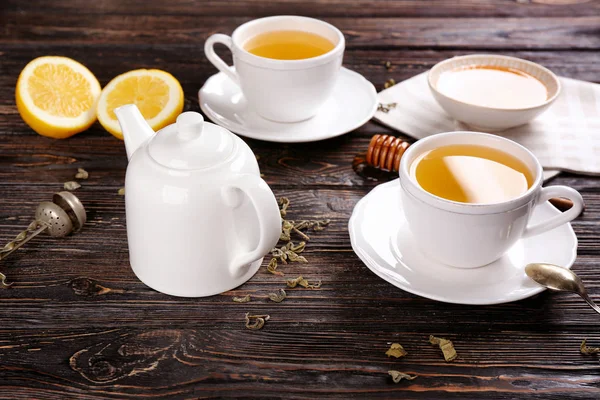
[[385, 152]]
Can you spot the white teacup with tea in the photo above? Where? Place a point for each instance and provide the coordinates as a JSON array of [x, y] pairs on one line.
[[468, 196], [286, 66]]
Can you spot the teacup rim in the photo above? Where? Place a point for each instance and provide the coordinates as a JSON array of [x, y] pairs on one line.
[[412, 187], [535, 65], [270, 63]]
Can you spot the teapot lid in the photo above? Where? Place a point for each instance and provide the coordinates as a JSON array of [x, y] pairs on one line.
[[190, 143]]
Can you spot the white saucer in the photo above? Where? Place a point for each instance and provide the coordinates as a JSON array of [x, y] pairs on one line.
[[380, 237], [352, 104]]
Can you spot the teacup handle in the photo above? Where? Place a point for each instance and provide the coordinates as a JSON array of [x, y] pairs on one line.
[[567, 216], [209, 50], [267, 210]]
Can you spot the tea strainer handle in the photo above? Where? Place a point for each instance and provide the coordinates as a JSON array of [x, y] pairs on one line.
[[65, 214]]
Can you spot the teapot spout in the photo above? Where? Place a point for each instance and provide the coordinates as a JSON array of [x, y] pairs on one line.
[[135, 128]]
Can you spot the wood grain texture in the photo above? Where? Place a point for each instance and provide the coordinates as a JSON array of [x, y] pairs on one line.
[[467, 33], [318, 8], [79, 325]]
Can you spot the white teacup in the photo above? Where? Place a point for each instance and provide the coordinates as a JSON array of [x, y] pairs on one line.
[[281, 90], [472, 235]]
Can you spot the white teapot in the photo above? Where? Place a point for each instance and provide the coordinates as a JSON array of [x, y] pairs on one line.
[[199, 217]]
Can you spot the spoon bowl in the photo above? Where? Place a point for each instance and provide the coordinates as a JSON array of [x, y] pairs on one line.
[[558, 278]]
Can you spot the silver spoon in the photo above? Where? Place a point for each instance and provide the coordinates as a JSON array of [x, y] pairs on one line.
[[559, 278]]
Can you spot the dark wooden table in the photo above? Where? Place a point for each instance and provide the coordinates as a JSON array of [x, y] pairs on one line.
[[78, 324]]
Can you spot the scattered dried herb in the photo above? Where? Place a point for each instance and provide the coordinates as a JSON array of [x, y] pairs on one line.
[[302, 282], [256, 322], [284, 203], [294, 257], [278, 297], [446, 346], [289, 252], [388, 65], [297, 249], [385, 108], [81, 174], [389, 83], [272, 267], [71, 185], [286, 230], [588, 350], [396, 350], [397, 376], [121, 192], [244, 299]]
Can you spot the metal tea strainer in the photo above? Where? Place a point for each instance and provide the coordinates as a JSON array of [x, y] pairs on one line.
[[65, 214]]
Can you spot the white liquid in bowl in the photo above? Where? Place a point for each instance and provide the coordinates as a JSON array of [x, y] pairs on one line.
[[495, 87]]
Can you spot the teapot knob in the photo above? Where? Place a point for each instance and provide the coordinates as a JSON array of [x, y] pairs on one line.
[[189, 126]]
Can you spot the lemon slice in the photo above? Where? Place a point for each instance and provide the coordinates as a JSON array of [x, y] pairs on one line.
[[157, 94], [56, 96]]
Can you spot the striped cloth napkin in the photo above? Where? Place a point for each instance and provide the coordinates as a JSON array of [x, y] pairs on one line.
[[565, 138]]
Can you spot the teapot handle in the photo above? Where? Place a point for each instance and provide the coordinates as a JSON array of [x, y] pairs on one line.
[[267, 210]]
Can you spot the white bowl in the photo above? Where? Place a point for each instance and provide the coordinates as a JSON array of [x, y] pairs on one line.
[[490, 118]]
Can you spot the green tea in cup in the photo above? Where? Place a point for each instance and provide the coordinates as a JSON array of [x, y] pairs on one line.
[[288, 45], [471, 174]]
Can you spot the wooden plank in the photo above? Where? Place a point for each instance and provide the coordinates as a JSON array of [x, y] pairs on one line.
[[318, 8], [133, 363], [469, 33]]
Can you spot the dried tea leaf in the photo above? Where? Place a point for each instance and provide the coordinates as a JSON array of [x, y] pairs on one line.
[[279, 254], [588, 350], [71, 185], [309, 286], [81, 174], [302, 282], [397, 376], [446, 346], [256, 322], [295, 282], [389, 83], [121, 192], [297, 249], [9, 246], [286, 230], [385, 108], [244, 299], [388, 65], [278, 297], [320, 225], [32, 226], [284, 203], [293, 257], [272, 267], [396, 350]]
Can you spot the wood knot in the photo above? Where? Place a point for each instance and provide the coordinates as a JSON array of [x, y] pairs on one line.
[[130, 355], [86, 287], [103, 370]]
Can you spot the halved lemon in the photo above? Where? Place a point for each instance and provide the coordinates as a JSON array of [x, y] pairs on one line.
[[56, 96], [157, 94]]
